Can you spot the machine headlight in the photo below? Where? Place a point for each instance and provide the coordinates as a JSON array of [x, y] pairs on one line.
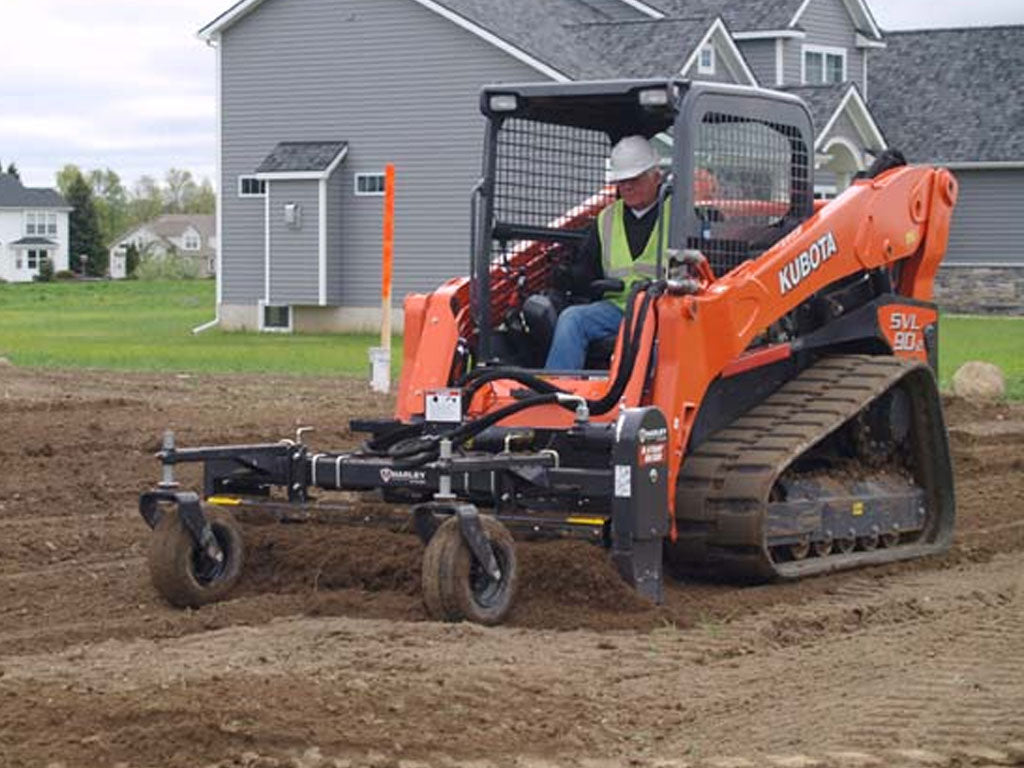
[[503, 102], [654, 97]]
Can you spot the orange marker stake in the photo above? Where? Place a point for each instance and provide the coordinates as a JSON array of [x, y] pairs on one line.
[[388, 255]]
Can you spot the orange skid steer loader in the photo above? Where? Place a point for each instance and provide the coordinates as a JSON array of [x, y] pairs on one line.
[[768, 409]]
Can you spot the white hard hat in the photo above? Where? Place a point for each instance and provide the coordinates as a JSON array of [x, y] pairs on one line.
[[630, 157]]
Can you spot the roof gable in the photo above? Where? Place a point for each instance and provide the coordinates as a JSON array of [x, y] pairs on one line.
[[829, 102], [859, 12], [952, 95]]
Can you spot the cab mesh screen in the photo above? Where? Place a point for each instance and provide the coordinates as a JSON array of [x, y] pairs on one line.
[[549, 176], [750, 186]]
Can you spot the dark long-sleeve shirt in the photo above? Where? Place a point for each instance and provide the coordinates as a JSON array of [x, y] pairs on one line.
[[587, 262]]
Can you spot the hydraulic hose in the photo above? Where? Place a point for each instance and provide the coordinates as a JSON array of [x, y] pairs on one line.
[[409, 447], [630, 349]]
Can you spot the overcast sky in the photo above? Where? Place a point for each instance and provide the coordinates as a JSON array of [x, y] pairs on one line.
[[126, 84]]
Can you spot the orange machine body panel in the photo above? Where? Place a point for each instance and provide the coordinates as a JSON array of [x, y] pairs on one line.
[[902, 216]]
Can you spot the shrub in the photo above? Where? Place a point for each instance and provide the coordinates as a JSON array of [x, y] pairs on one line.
[[170, 267], [64, 274], [45, 271]]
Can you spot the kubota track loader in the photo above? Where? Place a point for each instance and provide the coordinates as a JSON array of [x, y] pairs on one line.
[[768, 409]]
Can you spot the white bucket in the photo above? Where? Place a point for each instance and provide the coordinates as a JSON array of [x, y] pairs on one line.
[[380, 369]]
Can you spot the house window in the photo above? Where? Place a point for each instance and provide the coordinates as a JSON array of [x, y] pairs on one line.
[[250, 186], [706, 60], [40, 223], [823, 66], [369, 184], [274, 317], [35, 257], [191, 241]]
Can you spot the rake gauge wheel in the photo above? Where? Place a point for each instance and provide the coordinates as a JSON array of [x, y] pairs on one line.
[[455, 585], [181, 573]]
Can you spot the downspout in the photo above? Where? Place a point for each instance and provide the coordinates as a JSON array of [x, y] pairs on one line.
[[213, 42]]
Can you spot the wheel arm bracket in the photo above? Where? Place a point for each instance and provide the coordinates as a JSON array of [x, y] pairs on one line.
[[191, 513]]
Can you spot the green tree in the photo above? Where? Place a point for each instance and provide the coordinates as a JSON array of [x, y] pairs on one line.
[[12, 170], [204, 200], [132, 257], [85, 237], [146, 201], [65, 176], [111, 200], [180, 189]]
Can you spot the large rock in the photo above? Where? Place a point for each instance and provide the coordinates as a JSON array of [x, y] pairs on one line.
[[979, 381]]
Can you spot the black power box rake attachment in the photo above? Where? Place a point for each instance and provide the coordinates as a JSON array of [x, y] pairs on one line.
[[619, 499]]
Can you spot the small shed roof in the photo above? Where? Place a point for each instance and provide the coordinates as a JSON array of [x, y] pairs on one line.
[[303, 157], [28, 242]]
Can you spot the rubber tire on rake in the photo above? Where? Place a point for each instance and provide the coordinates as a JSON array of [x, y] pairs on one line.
[[455, 586], [176, 567]]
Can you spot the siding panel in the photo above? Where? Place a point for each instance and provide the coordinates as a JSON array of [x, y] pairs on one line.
[[987, 223], [400, 84], [827, 22], [760, 56], [294, 251]]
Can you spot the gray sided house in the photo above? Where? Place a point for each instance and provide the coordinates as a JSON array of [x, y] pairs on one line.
[[952, 97], [317, 96]]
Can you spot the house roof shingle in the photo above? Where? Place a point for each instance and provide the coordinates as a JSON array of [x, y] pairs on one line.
[[951, 95], [13, 194], [302, 156], [34, 241], [587, 40], [739, 15], [822, 100]]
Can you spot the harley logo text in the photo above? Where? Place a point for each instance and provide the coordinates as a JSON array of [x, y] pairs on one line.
[[409, 476], [794, 273]]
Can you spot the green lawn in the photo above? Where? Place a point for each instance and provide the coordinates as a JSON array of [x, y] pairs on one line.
[[998, 340], [133, 325]]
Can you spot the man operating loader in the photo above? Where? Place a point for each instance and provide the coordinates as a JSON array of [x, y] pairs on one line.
[[623, 245]]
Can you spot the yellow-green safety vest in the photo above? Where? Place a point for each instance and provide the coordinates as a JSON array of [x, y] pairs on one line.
[[616, 259]]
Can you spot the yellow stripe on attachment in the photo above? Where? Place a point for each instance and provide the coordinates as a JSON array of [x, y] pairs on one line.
[[858, 508], [585, 520], [224, 501]]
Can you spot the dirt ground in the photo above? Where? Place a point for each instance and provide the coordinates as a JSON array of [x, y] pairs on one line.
[[325, 656]]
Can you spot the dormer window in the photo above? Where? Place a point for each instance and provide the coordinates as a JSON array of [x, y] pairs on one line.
[[706, 60], [823, 66], [191, 241]]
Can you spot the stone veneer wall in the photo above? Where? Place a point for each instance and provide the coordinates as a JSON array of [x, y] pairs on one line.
[[980, 290]]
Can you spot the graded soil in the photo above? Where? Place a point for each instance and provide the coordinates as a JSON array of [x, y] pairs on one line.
[[324, 655]]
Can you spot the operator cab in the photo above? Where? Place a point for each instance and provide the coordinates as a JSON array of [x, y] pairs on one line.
[[738, 175]]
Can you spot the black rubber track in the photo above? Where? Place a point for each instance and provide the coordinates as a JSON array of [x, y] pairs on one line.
[[724, 486]]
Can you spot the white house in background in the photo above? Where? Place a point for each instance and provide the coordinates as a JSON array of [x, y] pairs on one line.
[[188, 235], [33, 227]]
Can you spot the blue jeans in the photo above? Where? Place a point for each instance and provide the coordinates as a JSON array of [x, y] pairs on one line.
[[578, 326]]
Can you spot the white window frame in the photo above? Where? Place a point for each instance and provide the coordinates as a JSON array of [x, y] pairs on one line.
[[825, 51], [44, 223], [366, 175], [36, 254], [262, 183], [191, 241], [709, 68], [264, 328], [825, 192]]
